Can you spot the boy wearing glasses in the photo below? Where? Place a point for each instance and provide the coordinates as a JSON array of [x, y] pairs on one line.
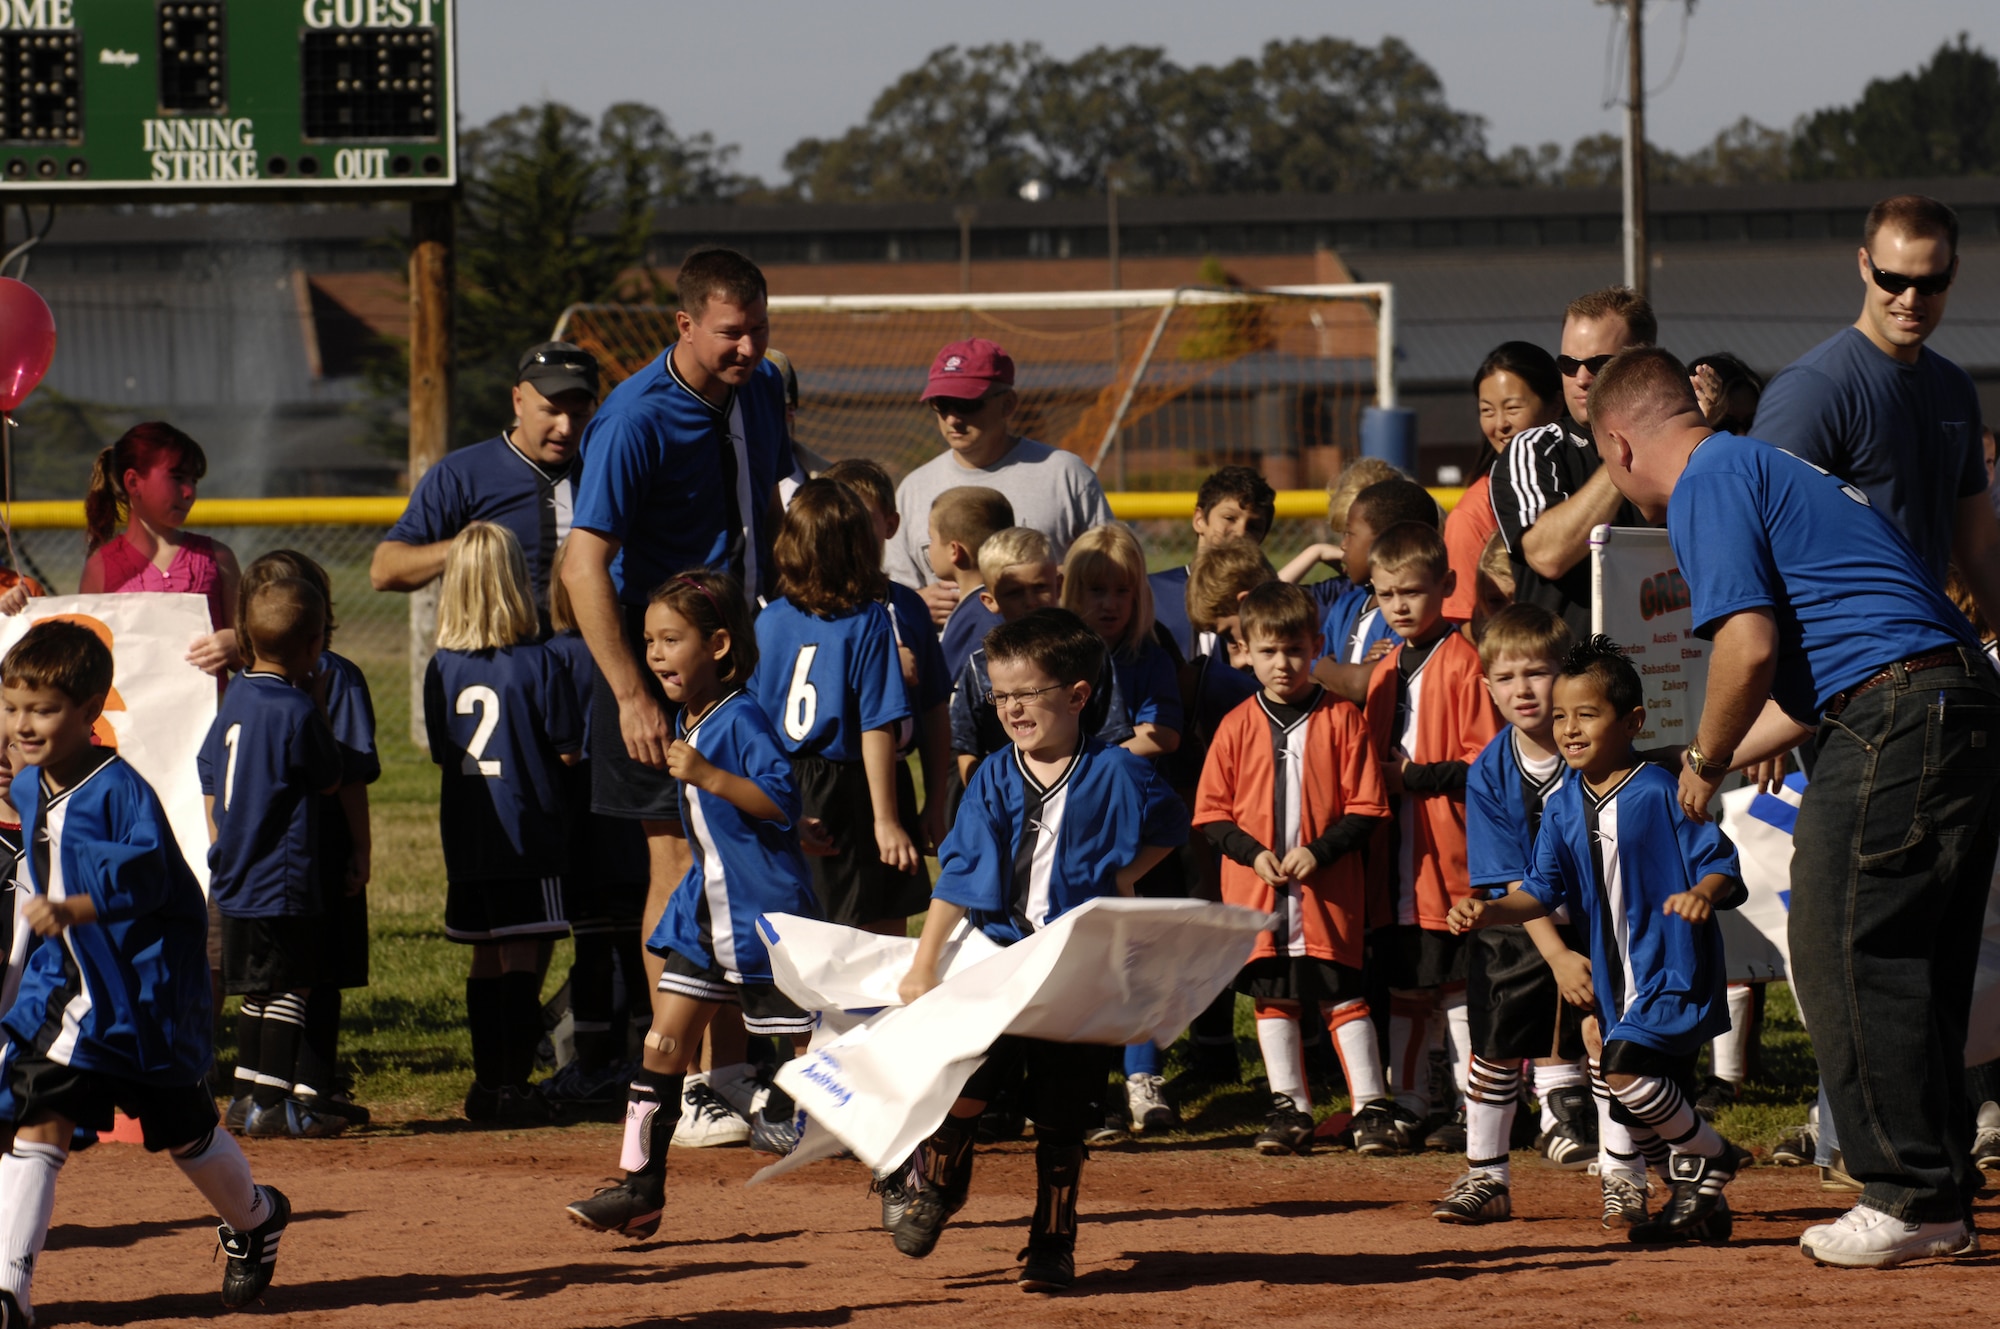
[[971, 394], [1061, 818]]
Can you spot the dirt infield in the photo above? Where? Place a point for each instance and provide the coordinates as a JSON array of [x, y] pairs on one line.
[[452, 1227]]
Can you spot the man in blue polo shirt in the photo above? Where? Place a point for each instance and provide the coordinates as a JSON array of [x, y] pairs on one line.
[[1817, 604], [681, 470], [523, 480]]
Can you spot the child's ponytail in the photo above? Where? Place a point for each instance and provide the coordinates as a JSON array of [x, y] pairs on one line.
[[104, 509], [106, 506]]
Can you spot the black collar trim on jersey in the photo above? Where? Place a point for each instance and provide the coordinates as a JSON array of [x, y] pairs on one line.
[[688, 730], [1599, 800], [1049, 790], [675, 375], [50, 800], [1555, 775], [555, 476], [1305, 711]]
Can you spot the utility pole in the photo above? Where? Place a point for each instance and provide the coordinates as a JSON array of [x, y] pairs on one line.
[[1635, 146], [430, 404], [965, 214], [1117, 348]]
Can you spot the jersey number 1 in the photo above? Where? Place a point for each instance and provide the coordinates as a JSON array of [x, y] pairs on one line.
[[802, 702], [229, 737], [488, 703]]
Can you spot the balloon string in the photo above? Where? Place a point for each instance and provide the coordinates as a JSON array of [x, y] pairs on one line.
[[7, 515]]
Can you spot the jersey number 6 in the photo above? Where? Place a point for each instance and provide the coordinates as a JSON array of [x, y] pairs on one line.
[[802, 702], [488, 703]]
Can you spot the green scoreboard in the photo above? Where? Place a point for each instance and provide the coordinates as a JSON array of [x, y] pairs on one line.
[[199, 98]]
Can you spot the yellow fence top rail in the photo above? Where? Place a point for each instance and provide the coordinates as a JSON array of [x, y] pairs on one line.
[[1293, 504]]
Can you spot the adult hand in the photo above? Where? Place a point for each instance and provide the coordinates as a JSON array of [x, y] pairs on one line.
[[1767, 776], [644, 727], [1695, 794], [1708, 393], [940, 597], [214, 654]]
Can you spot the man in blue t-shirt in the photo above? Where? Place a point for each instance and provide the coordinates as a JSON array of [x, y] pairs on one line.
[[1822, 613], [681, 470], [523, 480]]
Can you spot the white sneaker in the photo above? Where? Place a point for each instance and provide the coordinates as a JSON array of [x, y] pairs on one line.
[[1864, 1238], [706, 1121], [1986, 1142], [1145, 1096]]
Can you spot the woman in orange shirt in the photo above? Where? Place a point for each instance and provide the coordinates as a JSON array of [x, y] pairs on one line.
[[1518, 389]]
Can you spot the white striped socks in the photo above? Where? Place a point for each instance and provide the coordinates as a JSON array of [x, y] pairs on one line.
[[27, 1200]]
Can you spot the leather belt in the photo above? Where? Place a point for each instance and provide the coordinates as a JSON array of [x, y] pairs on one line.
[[1916, 664]]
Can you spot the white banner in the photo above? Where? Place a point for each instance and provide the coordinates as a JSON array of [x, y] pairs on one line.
[[881, 1076], [1638, 599], [160, 706], [1757, 935]]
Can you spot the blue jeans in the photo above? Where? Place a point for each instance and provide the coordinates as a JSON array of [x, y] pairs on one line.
[[1892, 859]]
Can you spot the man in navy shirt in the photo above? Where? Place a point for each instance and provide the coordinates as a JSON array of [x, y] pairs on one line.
[[681, 470], [523, 480], [1818, 604]]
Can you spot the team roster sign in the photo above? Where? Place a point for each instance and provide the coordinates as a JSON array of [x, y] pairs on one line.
[[1640, 601], [213, 97]]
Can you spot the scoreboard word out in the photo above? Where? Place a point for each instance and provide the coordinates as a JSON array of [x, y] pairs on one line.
[[226, 96]]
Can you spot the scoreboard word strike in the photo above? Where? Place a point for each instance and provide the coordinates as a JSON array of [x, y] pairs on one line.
[[216, 97]]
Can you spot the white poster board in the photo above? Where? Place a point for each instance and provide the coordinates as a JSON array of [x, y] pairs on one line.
[[1757, 934], [161, 706], [1638, 599]]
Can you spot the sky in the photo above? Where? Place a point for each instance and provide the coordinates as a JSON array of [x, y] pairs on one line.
[[768, 74]]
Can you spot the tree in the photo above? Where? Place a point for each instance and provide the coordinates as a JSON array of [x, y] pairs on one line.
[[1944, 119]]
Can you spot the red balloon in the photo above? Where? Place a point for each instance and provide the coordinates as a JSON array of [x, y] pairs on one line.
[[27, 341]]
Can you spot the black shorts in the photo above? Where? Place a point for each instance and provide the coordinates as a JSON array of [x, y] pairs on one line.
[[766, 1010], [1062, 1086], [169, 1115], [271, 954], [1511, 996], [619, 786], [855, 887], [344, 939], [1305, 979], [511, 909], [1410, 958], [1624, 1057]]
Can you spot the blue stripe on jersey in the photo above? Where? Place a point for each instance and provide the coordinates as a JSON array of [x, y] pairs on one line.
[[267, 757], [493, 481], [1113, 805], [498, 721], [1660, 980], [743, 866], [825, 681], [1499, 830]]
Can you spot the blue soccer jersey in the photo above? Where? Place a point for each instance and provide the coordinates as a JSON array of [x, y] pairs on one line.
[[1503, 810], [128, 994], [580, 672], [965, 632], [911, 618], [1022, 854], [681, 483], [976, 729], [1149, 680], [499, 722], [1170, 612], [1213, 692], [743, 866], [1352, 626], [825, 681], [1613, 859], [267, 758], [494, 481], [350, 713]]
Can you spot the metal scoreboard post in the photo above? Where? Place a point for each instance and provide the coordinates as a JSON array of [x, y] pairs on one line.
[[190, 99]]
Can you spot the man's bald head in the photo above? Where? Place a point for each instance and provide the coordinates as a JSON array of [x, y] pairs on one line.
[[1641, 389]]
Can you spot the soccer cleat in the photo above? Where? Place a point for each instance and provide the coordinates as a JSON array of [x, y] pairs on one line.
[[1986, 1142], [1695, 1198], [578, 1087], [1050, 1264], [1146, 1099], [482, 1102], [619, 1208], [335, 1104], [253, 1255], [923, 1220], [1286, 1129], [1115, 1130], [1716, 1095], [290, 1119], [706, 1121], [1864, 1238], [1384, 1128], [775, 1121], [1449, 1136], [1798, 1148], [1571, 1144], [238, 1111], [1476, 1197], [1624, 1202], [896, 1189], [11, 1314], [521, 1105]]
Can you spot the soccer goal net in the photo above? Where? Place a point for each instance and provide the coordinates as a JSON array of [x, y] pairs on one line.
[[1153, 387]]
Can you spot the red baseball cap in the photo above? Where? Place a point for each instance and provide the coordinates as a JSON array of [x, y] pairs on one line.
[[969, 369]]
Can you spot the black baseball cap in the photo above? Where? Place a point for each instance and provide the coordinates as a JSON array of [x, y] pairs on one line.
[[556, 367]]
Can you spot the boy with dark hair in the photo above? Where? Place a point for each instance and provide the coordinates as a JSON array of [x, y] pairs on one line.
[[113, 1007], [961, 522], [1431, 717], [1290, 796], [1618, 852], [1235, 503], [268, 755], [1060, 819], [1357, 634]]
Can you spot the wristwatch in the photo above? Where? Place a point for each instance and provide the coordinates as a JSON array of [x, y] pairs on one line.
[[1699, 763]]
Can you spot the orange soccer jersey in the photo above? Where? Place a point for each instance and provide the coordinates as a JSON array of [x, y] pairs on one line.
[[1326, 771], [1449, 716]]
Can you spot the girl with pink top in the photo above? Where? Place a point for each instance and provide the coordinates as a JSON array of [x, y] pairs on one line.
[[145, 483]]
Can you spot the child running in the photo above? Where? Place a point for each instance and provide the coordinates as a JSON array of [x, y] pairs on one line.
[[1057, 820], [742, 811], [121, 917], [1616, 850], [830, 680], [502, 718], [1290, 797]]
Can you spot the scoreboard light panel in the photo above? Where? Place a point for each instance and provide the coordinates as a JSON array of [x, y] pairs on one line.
[[205, 97]]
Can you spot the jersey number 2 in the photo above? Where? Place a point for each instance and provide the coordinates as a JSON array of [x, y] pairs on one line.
[[488, 703], [802, 702]]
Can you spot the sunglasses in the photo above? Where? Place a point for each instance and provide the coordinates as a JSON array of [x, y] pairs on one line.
[[1895, 283], [960, 406], [1571, 366]]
